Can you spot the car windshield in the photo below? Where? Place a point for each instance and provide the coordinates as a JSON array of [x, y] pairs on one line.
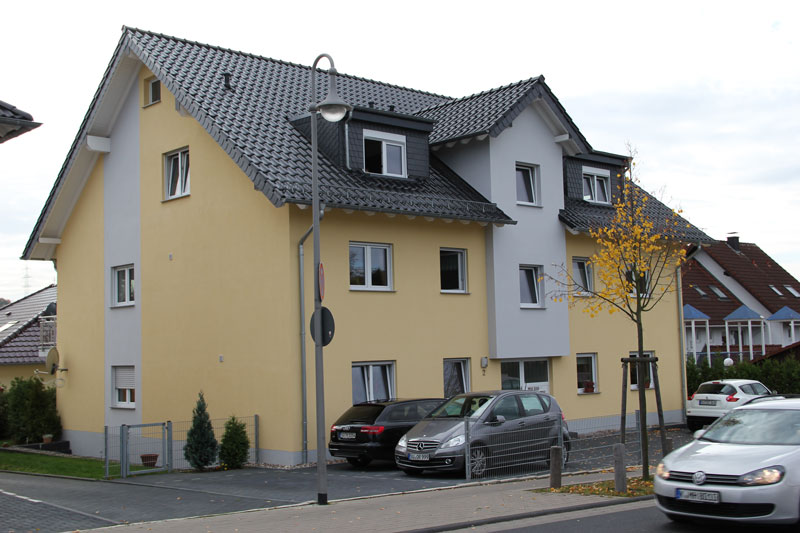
[[360, 413], [463, 406], [757, 427]]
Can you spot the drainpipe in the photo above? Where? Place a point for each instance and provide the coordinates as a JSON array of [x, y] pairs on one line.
[[304, 401]]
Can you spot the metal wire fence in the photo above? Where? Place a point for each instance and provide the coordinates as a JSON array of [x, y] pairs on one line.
[[145, 448]]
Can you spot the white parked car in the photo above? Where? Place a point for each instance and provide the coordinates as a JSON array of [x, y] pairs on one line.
[[714, 399], [744, 468]]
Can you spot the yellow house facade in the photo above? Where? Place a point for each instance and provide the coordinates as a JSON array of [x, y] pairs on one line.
[[178, 228]]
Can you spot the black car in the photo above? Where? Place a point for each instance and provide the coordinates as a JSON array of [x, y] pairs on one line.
[[370, 430]]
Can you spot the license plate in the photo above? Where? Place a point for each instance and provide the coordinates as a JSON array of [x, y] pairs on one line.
[[419, 457], [708, 402], [345, 435], [697, 496]]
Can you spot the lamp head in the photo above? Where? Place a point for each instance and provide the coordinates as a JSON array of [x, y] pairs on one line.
[[333, 108]]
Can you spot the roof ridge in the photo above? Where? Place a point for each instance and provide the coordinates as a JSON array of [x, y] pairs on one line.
[[34, 293], [279, 61], [538, 78]]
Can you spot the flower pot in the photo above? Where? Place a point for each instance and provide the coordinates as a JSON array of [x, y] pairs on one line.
[[48, 438], [149, 459]]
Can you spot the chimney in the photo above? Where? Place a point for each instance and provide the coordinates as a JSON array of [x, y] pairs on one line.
[[733, 242]]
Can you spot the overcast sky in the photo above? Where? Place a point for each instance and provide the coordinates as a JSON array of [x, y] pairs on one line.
[[707, 92]]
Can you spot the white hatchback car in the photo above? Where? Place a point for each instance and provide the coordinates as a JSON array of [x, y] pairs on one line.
[[744, 468], [714, 399]]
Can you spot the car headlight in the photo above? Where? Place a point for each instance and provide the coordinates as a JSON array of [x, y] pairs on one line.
[[401, 444], [763, 476], [455, 441], [662, 471]]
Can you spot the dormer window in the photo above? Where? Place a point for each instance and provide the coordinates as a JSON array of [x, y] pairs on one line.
[[596, 185], [384, 153]]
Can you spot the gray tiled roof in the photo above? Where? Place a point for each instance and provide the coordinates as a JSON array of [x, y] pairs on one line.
[[14, 122], [251, 124], [19, 344]]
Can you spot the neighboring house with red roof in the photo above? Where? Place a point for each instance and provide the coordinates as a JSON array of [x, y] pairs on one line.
[[27, 331], [739, 297]]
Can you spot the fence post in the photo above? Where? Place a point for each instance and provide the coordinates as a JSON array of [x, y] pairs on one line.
[[169, 446], [255, 439], [105, 449], [620, 474], [123, 451], [555, 467], [467, 451]]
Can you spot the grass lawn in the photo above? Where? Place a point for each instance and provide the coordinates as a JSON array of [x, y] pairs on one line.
[[636, 487], [48, 464]]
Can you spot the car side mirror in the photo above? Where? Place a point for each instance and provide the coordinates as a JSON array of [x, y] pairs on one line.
[[697, 434], [497, 419]]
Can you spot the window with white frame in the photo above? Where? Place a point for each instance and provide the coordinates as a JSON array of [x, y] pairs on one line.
[[596, 185], [370, 266], [176, 174], [122, 279], [634, 370], [456, 377], [152, 91], [586, 366], [530, 286], [582, 275], [776, 290], [639, 281], [124, 383], [792, 290], [528, 184], [385, 153], [373, 381], [531, 374], [453, 270]]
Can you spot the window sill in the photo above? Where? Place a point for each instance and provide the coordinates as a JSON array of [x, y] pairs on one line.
[[583, 295], [596, 202], [124, 407], [389, 176], [369, 289], [453, 292], [145, 106], [528, 204], [176, 197], [582, 393], [635, 387], [531, 306], [122, 305]]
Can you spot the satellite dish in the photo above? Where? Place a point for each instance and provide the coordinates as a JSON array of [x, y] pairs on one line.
[[51, 363]]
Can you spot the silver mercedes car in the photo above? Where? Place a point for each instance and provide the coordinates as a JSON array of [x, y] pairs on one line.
[[745, 468]]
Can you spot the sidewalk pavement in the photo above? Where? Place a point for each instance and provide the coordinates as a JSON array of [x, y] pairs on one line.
[[427, 510]]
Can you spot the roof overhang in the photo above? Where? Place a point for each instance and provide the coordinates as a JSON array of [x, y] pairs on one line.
[[93, 139]]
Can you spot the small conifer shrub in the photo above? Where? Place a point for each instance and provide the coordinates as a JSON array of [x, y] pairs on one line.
[[235, 446], [201, 446]]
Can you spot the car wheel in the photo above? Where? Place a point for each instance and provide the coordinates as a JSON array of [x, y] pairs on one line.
[[359, 461], [478, 460]]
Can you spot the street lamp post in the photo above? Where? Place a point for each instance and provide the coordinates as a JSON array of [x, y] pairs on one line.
[[332, 109]]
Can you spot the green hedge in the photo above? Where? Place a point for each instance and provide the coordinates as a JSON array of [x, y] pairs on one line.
[[782, 376], [32, 411]]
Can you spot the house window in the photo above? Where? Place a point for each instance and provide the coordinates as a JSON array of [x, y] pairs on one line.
[[453, 270], [384, 153], [533, 374], [528, 185], [718, 292], [456, 377], [152, 91], [372, 381], [582, 275], [123, 280], [177, 174], [530, 286], [639, 282], [124, 380], [634, 369], [792, 290], [776, 290], [8, 325], [586, 364], [596, 185], [370, 266]]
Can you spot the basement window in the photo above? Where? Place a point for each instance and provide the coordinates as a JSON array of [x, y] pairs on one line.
[[384, 153]]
